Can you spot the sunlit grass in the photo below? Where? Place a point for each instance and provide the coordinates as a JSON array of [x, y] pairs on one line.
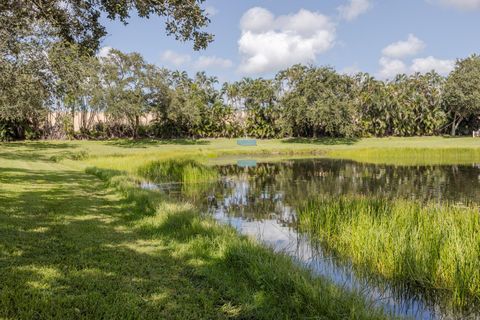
[[178, 170], [411, 156], [72, 246], [254, 279], [433, 247]]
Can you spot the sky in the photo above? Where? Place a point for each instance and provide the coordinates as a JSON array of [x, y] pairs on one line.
[[259, 38]]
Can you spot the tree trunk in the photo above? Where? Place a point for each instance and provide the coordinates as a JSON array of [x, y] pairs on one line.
[[454, 128], [135, 129], [455, 123], [73, 121]]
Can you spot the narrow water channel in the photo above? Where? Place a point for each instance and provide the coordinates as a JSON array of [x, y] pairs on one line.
[[259, 199]]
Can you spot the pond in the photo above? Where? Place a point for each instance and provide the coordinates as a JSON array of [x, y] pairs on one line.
[[261, 200]]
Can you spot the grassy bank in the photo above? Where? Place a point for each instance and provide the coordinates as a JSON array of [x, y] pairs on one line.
[[411, 156], [74, 246], [433, 247], [398, 151], [129, 155], [177, 170]]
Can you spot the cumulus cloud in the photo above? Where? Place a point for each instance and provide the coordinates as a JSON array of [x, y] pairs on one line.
[[405, 48], [465, 5], [212, 62], [389, 68], [269, 43], [177, 59], [353, 9], [257, 20], [104, 51], [424, 65]]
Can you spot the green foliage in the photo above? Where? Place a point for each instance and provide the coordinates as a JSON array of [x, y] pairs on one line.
[[317, 102], [78, 21], [126, 80], [136, 99], [434, 247], [462, 91], [406, 106]]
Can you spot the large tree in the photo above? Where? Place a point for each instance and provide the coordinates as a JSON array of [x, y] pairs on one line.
[[30, 28], [317, 102], [125, 77], [462, 91]]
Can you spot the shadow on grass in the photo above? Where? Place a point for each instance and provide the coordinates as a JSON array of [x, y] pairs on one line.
[[144, 143], [37, 145], [72, 248], [323, 141], [35, 151], [67, 251]]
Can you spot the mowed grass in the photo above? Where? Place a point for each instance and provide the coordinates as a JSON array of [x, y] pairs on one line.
[[426, 246], [129, 155], [74, 246]]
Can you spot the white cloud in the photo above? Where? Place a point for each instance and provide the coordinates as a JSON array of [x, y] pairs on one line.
[[211, 11], [212, 62], [353, 9], [402, 49], [465, 5], [257, 20], [177, 59], [104, 51], [269, 43], [389, 68], [393, 60], [424, 65]]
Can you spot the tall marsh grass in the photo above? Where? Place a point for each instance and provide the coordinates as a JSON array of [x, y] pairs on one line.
[[425, 246], [178, 170], [410, 156], [231, 273]]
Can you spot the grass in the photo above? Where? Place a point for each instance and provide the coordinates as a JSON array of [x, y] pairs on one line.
[[431, 247], [411, 156], [129, 155], [88, 244], [79, 239], [178, 170]]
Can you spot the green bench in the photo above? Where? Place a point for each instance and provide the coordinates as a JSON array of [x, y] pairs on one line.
[[247, 142]]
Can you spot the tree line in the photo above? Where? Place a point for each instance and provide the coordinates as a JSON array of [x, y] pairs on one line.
[[48, 67], [300, 101]]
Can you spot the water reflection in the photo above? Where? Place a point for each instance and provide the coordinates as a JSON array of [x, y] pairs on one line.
[[261, 200]]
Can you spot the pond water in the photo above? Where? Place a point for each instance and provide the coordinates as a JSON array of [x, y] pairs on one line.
[[259, 199]]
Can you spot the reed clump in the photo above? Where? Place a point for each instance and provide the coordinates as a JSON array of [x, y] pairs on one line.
[[178, 170], [429, 246]]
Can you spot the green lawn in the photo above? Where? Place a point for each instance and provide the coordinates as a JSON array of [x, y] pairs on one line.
[[74, 246]]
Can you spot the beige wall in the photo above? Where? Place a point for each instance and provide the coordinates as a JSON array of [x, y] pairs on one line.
[[90, 119]]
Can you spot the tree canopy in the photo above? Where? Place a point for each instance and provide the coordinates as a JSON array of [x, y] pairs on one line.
[[78, 21], [462, 91]]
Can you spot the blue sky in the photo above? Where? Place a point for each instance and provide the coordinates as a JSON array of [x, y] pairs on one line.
[[258, 38]]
